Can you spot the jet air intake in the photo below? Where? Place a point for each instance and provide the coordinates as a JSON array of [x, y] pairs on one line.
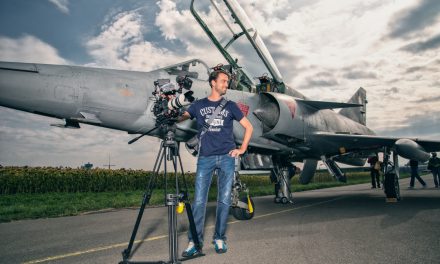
[[268, 112], [409, 149], [277, 115]]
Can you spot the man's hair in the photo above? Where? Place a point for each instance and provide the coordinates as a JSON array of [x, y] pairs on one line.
[[214, 75], [434, 154]]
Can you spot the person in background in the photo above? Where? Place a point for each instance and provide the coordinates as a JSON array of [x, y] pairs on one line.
[[374, 171], [434, 167], [414, 164]]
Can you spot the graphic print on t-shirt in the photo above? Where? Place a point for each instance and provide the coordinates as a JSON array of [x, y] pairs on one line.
[[218, 122]]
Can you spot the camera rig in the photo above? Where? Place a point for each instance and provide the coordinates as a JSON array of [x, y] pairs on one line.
[[171, 100], [168, 105]]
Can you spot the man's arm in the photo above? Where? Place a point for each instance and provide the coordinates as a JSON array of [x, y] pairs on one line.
[[244, 122], [184, 117]]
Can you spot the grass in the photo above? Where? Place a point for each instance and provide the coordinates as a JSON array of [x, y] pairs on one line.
[[55, 204]]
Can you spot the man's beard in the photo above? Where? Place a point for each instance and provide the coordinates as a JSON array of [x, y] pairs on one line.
[[221, 91]]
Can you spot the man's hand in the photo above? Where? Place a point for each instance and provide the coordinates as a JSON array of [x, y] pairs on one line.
[[247, 136], [236, 152], [184, 117]]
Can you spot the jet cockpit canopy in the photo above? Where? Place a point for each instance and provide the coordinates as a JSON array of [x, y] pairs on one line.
[[225, 22]]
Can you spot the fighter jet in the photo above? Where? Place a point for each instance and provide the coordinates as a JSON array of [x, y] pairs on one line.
[[288, 126]]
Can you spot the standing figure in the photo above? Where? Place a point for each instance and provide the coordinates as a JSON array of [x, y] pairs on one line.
[[414, 164], [217, 152], [434, 167], [374, 171]]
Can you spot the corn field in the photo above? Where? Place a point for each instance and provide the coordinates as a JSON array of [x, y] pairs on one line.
[[49, 179]]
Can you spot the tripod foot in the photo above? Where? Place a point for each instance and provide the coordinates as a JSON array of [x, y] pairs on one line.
[[125, 256]]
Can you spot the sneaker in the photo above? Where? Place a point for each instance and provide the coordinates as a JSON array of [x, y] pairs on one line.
[[220, 246], [411, 187], [191, 250]]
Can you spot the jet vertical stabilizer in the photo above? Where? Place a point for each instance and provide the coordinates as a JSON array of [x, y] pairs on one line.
[[358, 114]]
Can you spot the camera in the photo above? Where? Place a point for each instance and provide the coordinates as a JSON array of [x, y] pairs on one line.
[[170, 100], [184, 82]]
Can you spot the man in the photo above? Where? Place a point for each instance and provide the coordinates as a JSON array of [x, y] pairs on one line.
[[434, 167], [217, 152], [414, 164], [374, 171]]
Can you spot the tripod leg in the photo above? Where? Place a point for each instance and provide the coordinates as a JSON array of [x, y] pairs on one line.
[[189, 213], [127, 251], [192, 225], [145, 201]]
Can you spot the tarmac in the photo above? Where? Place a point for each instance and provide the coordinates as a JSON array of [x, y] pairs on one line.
[[349, 224]]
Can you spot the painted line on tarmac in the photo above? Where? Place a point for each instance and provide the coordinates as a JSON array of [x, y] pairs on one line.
[[92, 250], [97, 249]]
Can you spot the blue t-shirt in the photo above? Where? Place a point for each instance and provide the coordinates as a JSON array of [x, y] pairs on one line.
[[219, 139]]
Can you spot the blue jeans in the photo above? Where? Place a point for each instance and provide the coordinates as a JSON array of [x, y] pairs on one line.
[[205, 168]]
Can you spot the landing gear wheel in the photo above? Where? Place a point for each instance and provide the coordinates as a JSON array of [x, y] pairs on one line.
[[391, 186], [243, 214], [397, 188], [284, 200]]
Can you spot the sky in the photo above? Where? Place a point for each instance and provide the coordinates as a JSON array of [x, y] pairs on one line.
[[325, 49]]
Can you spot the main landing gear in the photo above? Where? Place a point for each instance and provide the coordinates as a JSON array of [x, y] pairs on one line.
[[391, 176], [281, 175]]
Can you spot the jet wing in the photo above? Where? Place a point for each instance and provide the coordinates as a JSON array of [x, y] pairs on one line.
[[351, 142], [320, 105]]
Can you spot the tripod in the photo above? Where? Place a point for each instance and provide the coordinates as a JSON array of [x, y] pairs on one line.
[[169, 151]]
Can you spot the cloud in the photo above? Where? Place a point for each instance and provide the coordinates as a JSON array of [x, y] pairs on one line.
[[287, 63], [28, 49], [429, 99], [424, 125], [360, 75], [321, 79], [421, 46], [414, 19], [120, 44], [62, 5], [180, 25], [415, 69], [393, 90]]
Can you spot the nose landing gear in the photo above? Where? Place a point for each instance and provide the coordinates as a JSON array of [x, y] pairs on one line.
[[242, 207]]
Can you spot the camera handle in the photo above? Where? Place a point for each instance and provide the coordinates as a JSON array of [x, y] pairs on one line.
[[139, 137]]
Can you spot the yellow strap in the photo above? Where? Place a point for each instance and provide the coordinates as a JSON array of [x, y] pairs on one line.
[[180, 208], [251, 209]]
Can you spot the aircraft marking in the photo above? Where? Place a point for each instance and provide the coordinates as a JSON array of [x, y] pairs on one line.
[[244, 108]]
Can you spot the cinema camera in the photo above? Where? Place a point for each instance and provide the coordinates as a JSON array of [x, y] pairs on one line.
[[170, 100]]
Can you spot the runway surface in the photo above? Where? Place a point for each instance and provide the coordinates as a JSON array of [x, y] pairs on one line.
[[350, 224]]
